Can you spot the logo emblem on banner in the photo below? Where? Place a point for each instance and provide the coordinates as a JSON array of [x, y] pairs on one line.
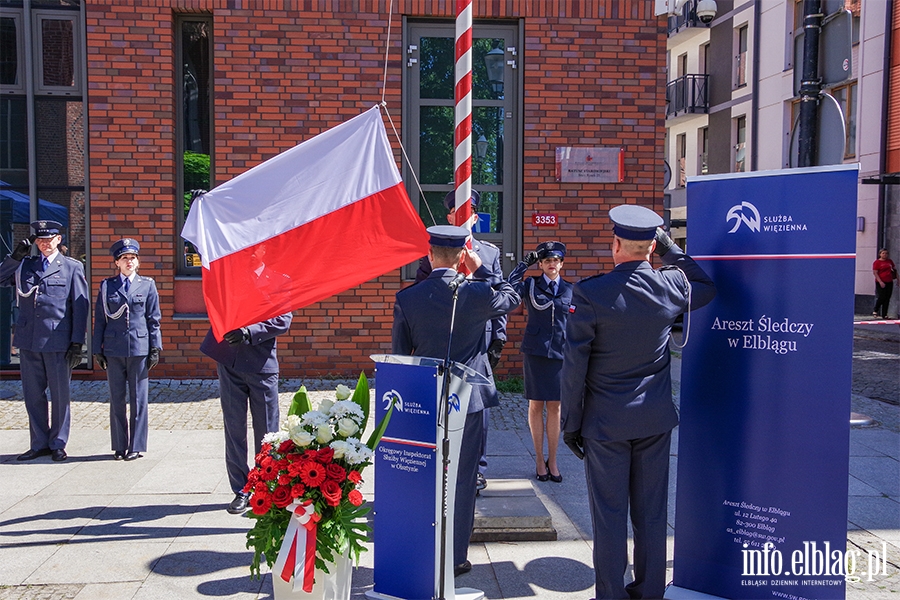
[[740, 212], [392, 397], [453, 401]]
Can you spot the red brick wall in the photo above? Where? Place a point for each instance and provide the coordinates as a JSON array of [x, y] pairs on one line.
[[286, 70]]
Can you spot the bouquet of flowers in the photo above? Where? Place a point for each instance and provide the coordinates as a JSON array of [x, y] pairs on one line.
[[313, 467]]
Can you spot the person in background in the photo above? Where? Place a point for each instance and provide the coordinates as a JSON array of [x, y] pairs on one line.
[[617, 410], [126, 344], [247, 364], [885, 273], [547, 297], [422, 315], [52, 296], [495, 330]]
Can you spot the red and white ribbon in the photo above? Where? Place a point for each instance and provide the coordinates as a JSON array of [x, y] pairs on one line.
[[297, 556], [462, 153]]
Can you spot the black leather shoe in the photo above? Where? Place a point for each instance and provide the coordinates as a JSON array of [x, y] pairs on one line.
[[239, 504], [33, 454], [59, 455], [553, 478], [462, 568], [119, 455], [133, 455]]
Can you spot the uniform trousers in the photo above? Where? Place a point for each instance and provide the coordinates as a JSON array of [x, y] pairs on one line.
[[128, 374], [635, 471], [464, 506], [238, 391], [41, 370]]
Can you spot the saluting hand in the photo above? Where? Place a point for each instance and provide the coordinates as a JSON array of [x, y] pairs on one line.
[[471, 260]]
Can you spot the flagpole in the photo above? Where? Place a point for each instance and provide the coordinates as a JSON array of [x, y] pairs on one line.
[[462, 150]]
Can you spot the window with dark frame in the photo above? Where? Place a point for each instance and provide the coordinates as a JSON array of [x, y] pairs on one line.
[[193, 56]]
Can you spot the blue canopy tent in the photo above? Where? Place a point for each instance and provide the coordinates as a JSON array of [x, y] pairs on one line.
[[17, 204]]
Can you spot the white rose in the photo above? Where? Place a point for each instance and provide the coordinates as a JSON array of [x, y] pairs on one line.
[[325, 406], [346, 427], [340, 448], [323, 435], [342, 392], [302, 438]]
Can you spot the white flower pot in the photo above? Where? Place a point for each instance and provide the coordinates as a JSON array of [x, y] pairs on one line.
[[328, 586]]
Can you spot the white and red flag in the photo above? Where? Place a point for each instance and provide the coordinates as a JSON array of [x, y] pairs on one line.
[[314, 221]]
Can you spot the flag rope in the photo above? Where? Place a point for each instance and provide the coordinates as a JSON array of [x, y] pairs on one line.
[[387, 46], [408, 162]]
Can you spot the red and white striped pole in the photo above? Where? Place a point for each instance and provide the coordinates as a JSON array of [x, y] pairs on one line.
[[462, 147]]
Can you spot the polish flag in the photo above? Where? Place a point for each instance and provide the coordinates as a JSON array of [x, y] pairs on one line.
[[314, 221]]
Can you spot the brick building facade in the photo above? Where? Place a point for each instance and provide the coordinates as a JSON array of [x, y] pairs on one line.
[[588, 73]]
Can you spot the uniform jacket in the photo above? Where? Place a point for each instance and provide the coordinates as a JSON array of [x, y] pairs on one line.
[[616, 383], [55, 314], [256, 356], [490, 259], [422, 324], [545, 330], [136, 330]]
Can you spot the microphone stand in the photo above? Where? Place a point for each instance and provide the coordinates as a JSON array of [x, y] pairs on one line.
[[445, 443]]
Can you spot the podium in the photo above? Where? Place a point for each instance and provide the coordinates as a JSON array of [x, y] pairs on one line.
[[408, 476]]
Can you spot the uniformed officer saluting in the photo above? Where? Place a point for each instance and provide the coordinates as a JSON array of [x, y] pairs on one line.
[[126, 344], [548, 297], [421, 328], [617, 410], [52, 296]]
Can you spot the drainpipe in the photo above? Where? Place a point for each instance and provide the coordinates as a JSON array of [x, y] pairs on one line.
[[885, 101], [754, 101]]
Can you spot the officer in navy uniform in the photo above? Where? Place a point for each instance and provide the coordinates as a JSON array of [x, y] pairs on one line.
[[617, 409], [547, 297], [421, 328], [247, 365], [495, 331], [51, 328], [126, 344]]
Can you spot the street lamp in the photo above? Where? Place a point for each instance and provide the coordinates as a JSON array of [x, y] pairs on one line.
[[494, 62], [481, 147]]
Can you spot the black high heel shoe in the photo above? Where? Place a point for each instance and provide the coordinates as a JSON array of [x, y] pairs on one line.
[[544, 477], [553, 478]]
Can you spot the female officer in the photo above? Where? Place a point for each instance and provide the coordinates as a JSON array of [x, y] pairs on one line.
[[127, 344], [547, 297]]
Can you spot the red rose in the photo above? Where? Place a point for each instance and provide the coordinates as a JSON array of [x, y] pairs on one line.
[[297, 490], [285, 447], [261, 488], [312, 473], [281, 497], [354, 477], [326, 455], [331, 491], [335, 472], [260, 504], [355, 497], [284, 479], [310, 455]]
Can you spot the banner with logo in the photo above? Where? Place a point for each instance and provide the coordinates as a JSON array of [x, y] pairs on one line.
[[408, 476], [763, 453]]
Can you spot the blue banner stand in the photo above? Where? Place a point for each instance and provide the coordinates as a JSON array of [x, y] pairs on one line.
[[763, 448], [408, 477]]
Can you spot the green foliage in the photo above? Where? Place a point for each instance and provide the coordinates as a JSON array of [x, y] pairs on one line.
[[196, 175], [510, 385], [301, 403], [361, 395]]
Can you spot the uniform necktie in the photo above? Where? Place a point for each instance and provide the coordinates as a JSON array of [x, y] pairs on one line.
[[44, 263], [127, 284], [553, 287]]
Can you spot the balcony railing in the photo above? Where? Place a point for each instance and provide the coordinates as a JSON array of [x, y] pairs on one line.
[[686, 18], [687, 94]]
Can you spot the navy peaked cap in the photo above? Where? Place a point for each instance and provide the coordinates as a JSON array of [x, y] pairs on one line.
[[633, 222], [124, 246], [46, 229], [450, 200], [552, 249], [449, 236]]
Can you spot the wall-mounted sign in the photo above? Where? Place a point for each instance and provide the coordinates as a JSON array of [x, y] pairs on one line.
[[590, 164], [544, 220]]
